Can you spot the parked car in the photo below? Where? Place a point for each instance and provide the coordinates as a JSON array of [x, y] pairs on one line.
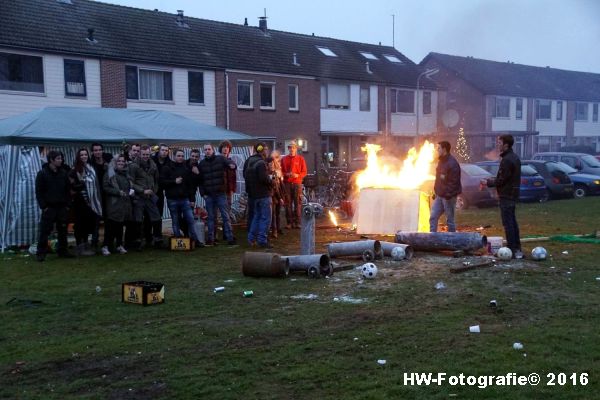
[[585, 184], [471, 195], [533, 187], [582, 162], [558, 183]]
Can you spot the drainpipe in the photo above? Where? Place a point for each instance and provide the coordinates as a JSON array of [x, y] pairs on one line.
[[226, 100]]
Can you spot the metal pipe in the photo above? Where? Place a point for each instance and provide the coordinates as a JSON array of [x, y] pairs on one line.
[[264, 265], [434, 241], [370, 247], [307, 227], [313, 264], [387, 247]]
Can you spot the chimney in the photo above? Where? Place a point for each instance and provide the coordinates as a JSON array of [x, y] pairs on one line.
[[245, 21], [90, 38], [295, 58], [262, 24], [181, 19], [368, 68]]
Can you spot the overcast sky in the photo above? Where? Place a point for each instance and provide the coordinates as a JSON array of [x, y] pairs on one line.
[[557, 33]]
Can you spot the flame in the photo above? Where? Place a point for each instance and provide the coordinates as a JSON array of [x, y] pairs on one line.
[[414, 172], [333, 218]]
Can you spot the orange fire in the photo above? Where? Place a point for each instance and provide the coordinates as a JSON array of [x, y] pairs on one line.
[[333, 218], [415, 170]]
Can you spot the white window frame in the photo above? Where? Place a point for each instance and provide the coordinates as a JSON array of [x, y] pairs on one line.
[[497, 100], [237, 97], [84, 84], [296, 90], [393, 58], [360, 100], [517, 101], [197, 103], [595, 112], [267, 85], [587, 111], [430, 95], [368, 55], [325, 93], [396, 92], [326, 51], [559, 110], [44, 75], [537, 109], [139, 86]]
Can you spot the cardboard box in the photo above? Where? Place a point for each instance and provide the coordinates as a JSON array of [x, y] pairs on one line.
[[142, 292], [182, 244]]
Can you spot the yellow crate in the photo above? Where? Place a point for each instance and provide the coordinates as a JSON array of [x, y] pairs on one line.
[[182, 244], [142, 292]]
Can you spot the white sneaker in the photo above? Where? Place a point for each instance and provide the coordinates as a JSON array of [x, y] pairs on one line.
[[121, 250], [105, 251]]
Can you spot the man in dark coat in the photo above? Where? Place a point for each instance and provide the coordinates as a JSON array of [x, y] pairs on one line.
[[52, 194], [259, 188], [162, 160], [447, 188], [99, 161], [213, 188], [507, 183]]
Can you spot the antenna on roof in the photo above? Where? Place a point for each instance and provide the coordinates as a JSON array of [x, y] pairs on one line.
[[393, 30], [245, 21], [262, 23]]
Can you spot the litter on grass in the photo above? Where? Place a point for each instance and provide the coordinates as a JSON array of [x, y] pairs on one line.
[[518, 346], [349, 299], [310, 296]]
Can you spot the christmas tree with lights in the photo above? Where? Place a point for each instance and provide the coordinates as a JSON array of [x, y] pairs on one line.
[[462, 147]]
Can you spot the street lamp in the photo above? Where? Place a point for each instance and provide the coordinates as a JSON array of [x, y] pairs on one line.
[[428, 74]]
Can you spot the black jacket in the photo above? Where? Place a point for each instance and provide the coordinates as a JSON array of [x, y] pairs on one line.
[[52, 187], [101, 168], [174, 191], [166, 164], [447, 177], [213, 177], [258, 182], [508, 178]]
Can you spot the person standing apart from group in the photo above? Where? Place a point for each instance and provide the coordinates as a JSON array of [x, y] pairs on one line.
[[507, 183], [447, 187], [87, 201], [294, 170]]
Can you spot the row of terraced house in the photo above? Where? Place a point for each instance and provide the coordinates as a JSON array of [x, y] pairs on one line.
[[333, 95]]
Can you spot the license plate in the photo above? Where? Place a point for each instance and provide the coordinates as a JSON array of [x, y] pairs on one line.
[[537, 183]]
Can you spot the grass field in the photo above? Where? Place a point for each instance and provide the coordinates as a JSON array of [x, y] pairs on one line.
[[81, 343]]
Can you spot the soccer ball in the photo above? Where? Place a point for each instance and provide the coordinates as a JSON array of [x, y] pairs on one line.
[[539, 253], [504, 253], [369, 270], [398, 253]]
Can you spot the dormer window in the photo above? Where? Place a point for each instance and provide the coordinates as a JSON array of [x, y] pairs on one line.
[[392, 58], [327, 51], [368, 56]]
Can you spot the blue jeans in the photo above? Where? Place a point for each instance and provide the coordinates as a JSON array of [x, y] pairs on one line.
[[212, 203], [177, 206], [261, 221], [511, 227], [442, 206]]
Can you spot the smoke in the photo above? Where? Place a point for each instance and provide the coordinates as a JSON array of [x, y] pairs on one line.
[[492, 155]]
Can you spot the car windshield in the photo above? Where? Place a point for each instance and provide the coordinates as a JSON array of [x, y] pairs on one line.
[[474, 170], [591, 161], [561, 166], [528, 170]]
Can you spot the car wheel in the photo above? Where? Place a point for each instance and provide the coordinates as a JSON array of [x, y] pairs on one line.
[[461, 203], [545, 197], [580, 192]]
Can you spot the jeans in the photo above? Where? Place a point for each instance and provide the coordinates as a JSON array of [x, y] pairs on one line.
[[51, 216], [293, 192], [261, 221], [212, 203], [177, 206], [511, 227], [442, 206]]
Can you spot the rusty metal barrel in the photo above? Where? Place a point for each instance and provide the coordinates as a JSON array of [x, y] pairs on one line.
[[258, 265], [387, 247]]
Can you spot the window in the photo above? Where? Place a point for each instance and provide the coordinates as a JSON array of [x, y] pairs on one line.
[[326, 51], [543, 144], [543, 109], [392, 58], [501, 107], [196, 87], [369, 56], [519, 112], [559, 110], [293, 97], [403, 101], [267, 96], [365, 99], [21, 73], [244, 94], [335, 96], [426, 103], [148, 84], [74, 78], [595, 112], [581, 111]]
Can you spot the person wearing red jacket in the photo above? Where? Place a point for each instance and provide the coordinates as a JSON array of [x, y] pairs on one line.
[[294, 170]]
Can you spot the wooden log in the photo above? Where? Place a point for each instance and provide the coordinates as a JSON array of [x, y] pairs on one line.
[[435, 241]]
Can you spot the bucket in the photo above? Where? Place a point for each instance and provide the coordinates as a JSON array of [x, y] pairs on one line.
[[495, 242], [264, 265]]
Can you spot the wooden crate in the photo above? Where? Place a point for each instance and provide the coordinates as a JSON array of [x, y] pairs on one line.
[[142, 292]]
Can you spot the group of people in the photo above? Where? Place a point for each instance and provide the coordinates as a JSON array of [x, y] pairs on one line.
[[507, 183], [127, 192]]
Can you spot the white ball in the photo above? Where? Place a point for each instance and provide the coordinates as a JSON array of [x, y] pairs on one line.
[[398, 253], [369, 270], [504, 253], [539, 253]]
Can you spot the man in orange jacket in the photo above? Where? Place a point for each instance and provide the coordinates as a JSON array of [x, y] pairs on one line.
[[293, 167]]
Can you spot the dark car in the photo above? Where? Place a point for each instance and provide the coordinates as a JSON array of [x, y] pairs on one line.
[[582, 162], [533, 187], [558, 183], [585, 184], [470, 177]]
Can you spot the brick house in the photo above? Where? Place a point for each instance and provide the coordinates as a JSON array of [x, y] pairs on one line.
[[543, 108]]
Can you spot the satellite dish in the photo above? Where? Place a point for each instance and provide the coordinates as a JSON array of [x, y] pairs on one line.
[[450, 118]]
